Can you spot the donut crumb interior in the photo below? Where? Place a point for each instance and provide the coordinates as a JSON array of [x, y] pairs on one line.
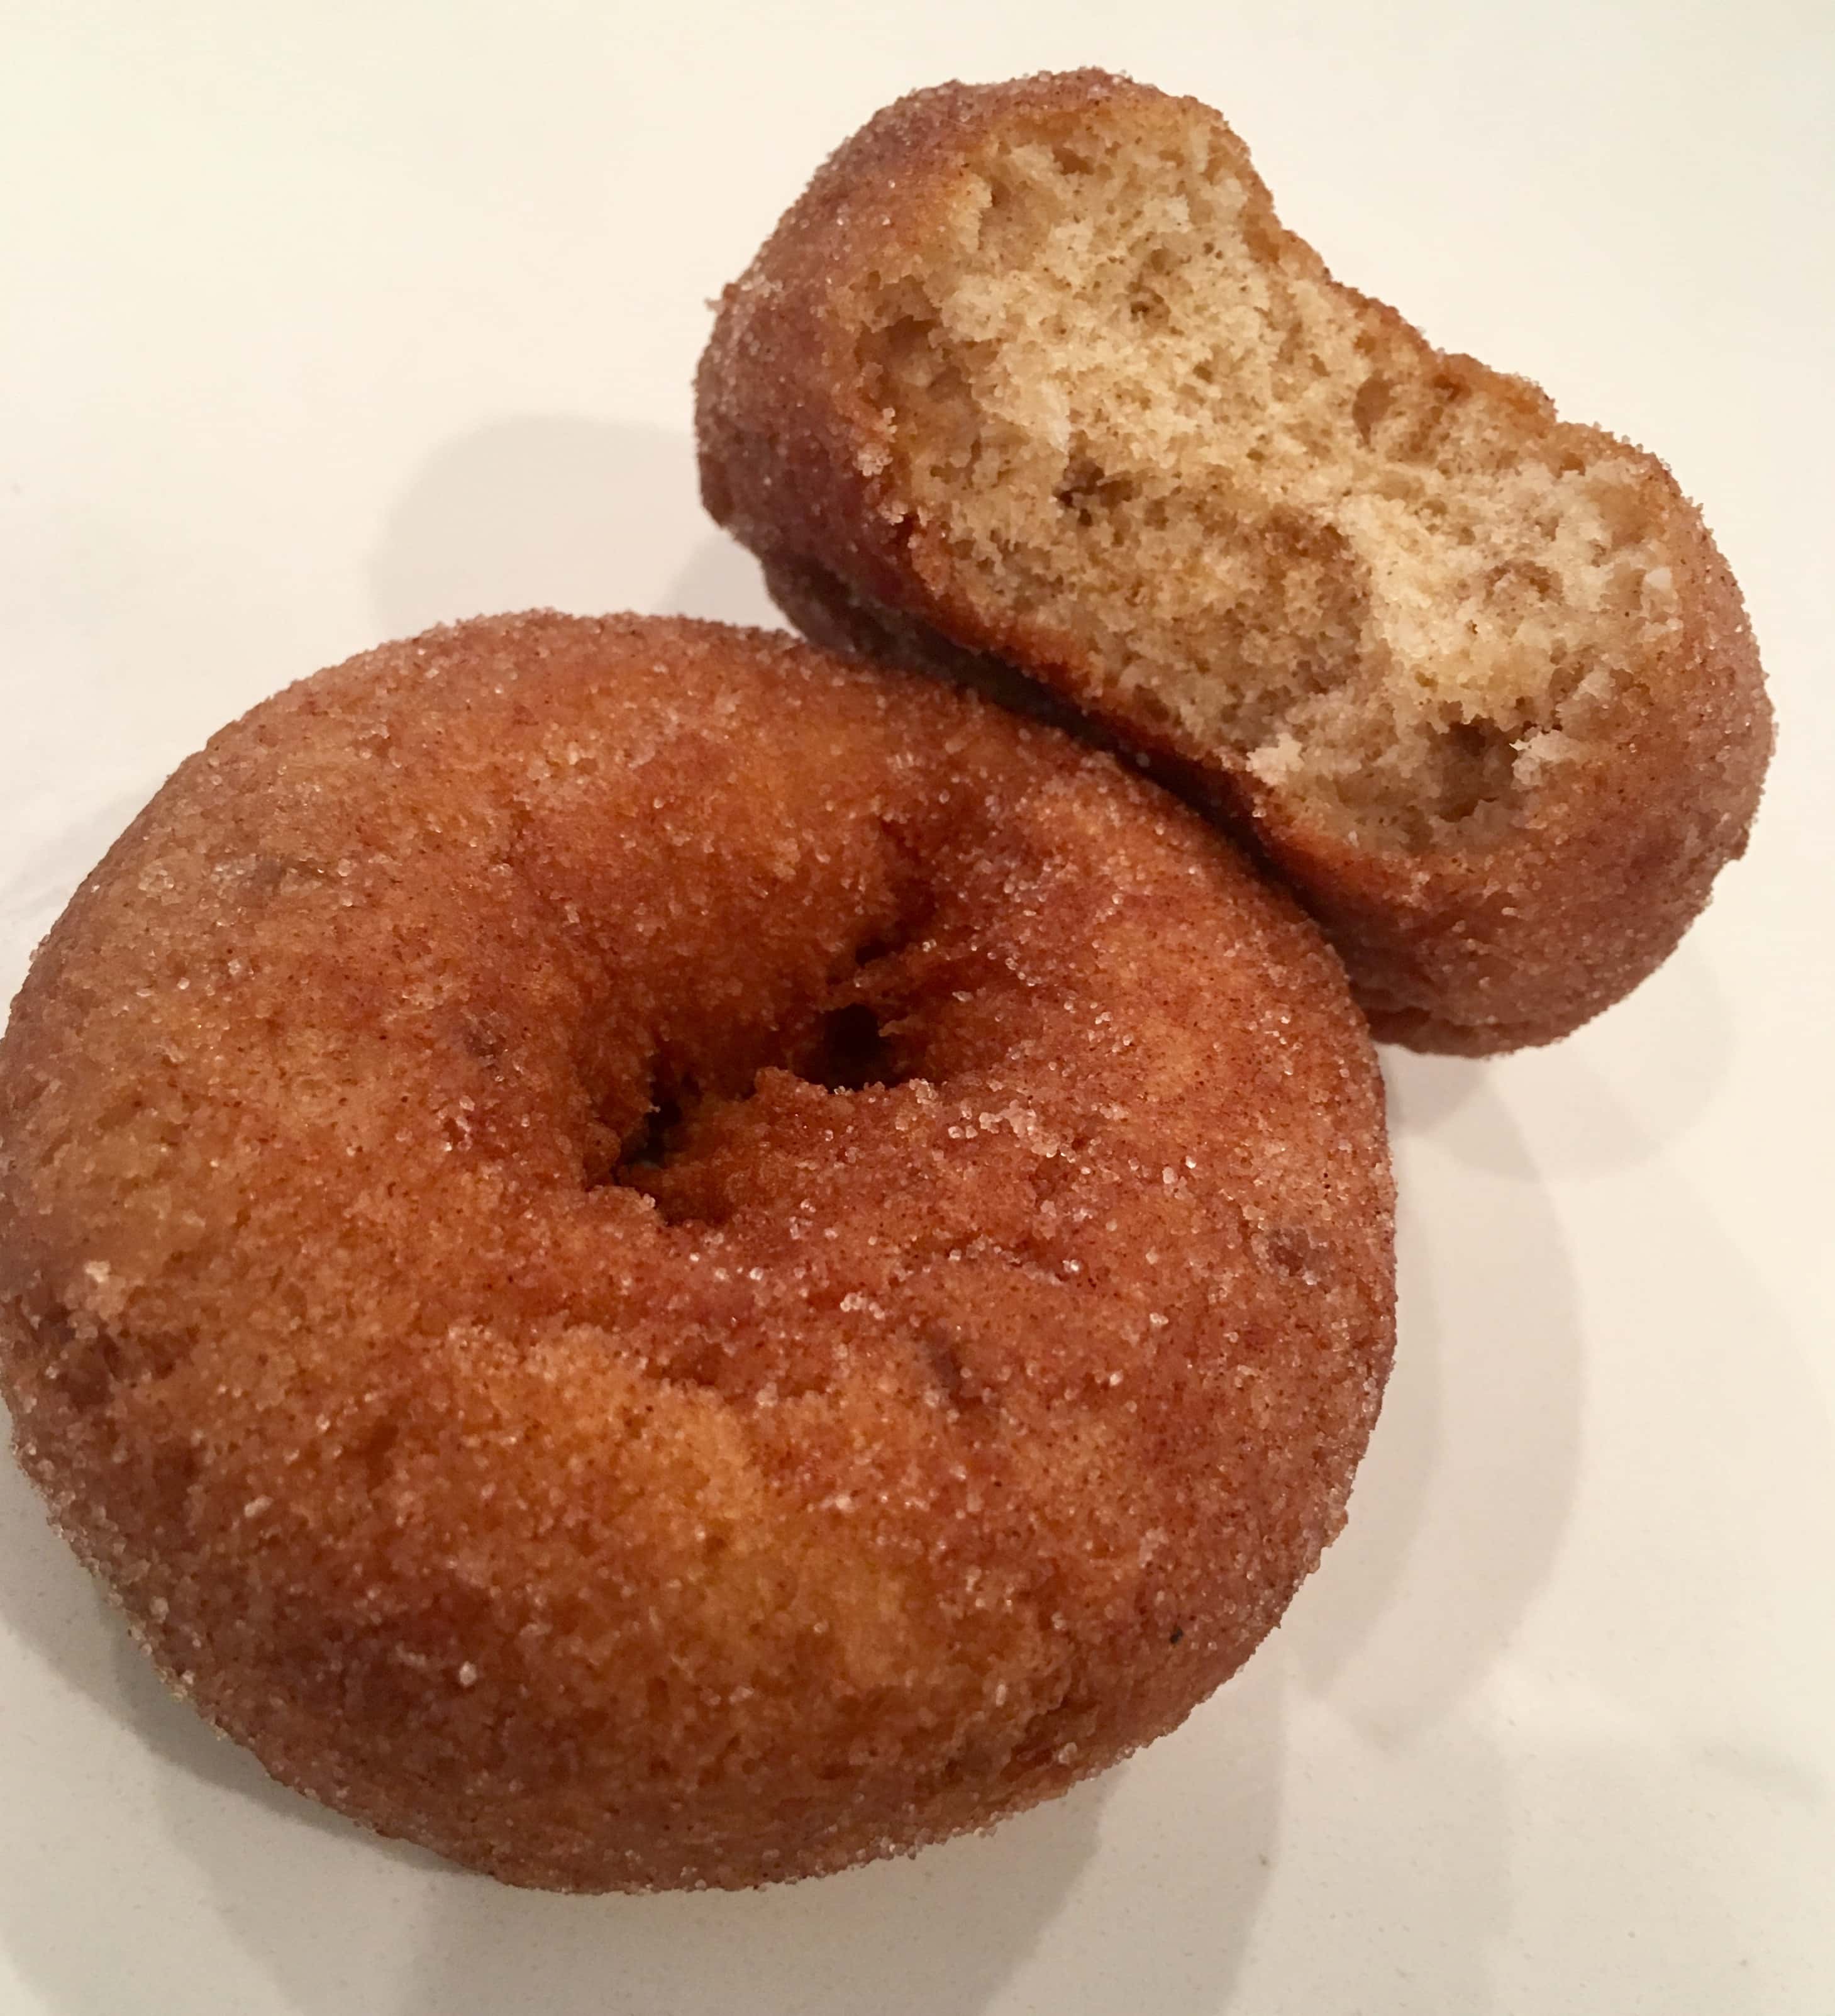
[[1138, 412]]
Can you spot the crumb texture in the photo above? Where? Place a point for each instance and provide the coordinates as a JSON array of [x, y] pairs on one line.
[[652, 1259], [1132, 406]]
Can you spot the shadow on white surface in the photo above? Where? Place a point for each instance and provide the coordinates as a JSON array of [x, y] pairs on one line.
[[1454, 1525], [564, 512], [54, 1608], [1639, 1078], [538, 511], [933, 1936], [950, 1933], [722, 581], [1460, 1506]]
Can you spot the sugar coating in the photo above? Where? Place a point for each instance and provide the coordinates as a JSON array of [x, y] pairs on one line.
[[1033, 371], [651, 1259]]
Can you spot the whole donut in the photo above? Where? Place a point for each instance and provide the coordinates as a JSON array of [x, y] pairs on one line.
[[651, 1258]]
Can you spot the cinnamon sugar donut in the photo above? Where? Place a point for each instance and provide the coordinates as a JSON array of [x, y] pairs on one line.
[[650, 1258], [1031, 380]]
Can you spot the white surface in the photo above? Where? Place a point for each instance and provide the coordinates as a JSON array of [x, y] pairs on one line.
[[317, 323]]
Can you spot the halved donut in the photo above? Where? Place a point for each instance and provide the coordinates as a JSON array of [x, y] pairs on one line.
[[1031, 380]]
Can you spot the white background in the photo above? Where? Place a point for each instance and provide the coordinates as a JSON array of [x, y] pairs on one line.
[[320, 322]]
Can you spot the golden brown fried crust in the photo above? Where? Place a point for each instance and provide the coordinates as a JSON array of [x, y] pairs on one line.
[[1461, 944], [649, 1258]]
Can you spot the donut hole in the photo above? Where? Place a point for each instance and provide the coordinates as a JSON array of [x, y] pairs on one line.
[[851, 1052], [657, 1136], [678, 1153], [650, 1157]]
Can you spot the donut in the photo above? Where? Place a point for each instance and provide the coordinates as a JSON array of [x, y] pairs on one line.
[[1031, 385], [653, 1259]]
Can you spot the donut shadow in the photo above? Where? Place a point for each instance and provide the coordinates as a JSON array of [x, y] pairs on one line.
[[1454, 1522], [722, 581], [1609, 1097], [553, 511], [1424, 1091], [871, 1938], [1461, 1504], [1025, 1916], [49, 1603], [958, 1929], [179, 1736]]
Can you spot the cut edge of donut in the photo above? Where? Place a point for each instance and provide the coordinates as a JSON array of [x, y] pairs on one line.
[[1132, 417]]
